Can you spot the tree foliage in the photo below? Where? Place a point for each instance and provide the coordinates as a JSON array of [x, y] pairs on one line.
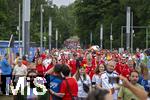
[[91, 13], [80, 18], [62, 19]]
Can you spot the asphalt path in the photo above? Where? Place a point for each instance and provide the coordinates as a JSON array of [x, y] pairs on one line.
[[6, 97]]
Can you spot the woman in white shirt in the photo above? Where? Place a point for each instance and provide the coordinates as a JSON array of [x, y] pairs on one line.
[[96, 80], [81, 78]]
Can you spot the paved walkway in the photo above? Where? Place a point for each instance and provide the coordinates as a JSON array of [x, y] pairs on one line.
[[6, 97]]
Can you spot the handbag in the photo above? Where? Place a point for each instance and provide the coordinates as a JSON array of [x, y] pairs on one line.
[[85, 86]]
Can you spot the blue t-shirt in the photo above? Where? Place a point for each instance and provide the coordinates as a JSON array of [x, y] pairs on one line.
[[54, 83], [5, 67], [144, 83]]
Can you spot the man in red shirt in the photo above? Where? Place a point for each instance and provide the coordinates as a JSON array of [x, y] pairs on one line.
[[69, 86], [94, 65], [121, 67], [72, 64], [43, 65], [130, 67], [124, 68], [90, 62]]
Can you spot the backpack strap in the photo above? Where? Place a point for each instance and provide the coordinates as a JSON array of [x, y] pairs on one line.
[[68, 88]]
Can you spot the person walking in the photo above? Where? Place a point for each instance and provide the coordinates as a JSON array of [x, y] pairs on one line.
[[6, 72]]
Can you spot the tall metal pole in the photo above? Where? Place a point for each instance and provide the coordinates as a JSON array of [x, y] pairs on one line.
[[26, 22], [23, 27], [121, 36], [56, 38], [146, 38], [91, 38], [41, 29], [50, 32], [19, 26], [101, 36], [111, 37], [128, 28], [132, 32]]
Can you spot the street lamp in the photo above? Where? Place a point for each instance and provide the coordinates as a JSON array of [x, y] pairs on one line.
[[56, 38], [45, 39], [49, 3], [41, 29], [122, 36], [50, 32], [132, 32], [101, 36], [111, 37], [19, 25]]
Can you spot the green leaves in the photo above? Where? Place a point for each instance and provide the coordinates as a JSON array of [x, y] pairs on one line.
[[80, 18], [91, 13], [62, 19]]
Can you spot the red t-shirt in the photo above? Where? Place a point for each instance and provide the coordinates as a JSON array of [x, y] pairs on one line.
[[72, 64], [90, 71], [40, 69], [73, 88], [123, 69], [92, 68], [126, 71], [118, 68]]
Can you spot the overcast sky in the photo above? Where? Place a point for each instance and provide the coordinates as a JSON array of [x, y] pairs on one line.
[[62, 2]]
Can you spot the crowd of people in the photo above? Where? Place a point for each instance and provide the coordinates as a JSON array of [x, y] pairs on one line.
[[77, 74]]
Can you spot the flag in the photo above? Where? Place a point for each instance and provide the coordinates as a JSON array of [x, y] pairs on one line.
[[11, 42]]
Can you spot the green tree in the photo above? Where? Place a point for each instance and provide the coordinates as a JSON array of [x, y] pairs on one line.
[[91, 13]]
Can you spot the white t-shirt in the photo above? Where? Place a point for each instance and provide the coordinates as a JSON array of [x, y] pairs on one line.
[[20, 70], [96, 78], [106, 85], [81, 92]]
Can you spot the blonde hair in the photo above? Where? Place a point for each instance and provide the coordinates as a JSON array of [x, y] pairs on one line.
[[144, 70]]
